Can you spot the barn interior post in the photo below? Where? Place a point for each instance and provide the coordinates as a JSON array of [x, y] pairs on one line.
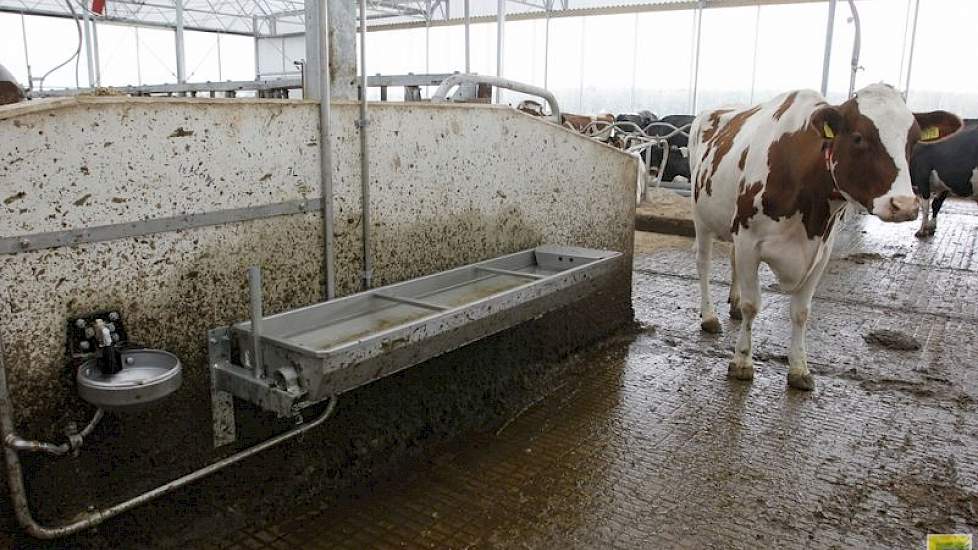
[[827, 56], [500, 43], [468, 68], [181, 58], [913, 43]]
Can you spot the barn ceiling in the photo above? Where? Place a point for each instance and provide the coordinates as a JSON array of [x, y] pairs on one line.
[[269, 17]]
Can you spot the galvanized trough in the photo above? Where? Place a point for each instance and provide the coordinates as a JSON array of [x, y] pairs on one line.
[[311, 353]]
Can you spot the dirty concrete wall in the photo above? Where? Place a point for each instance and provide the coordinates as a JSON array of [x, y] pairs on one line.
[[450, 185]]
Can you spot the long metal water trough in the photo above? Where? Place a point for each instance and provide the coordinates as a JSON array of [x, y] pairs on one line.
[[307, 355]]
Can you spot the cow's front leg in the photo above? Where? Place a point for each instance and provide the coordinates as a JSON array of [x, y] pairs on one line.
[[799, 377], [746, 262], [925, 227]]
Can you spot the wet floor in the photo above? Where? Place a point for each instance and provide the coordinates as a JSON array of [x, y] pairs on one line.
[[647, 444]]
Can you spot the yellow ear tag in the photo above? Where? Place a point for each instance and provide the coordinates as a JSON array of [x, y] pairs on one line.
[[827, 131], [930, 133]]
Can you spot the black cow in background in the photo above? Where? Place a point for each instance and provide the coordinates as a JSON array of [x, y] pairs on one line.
[[946, 167], [677, 165], [640, 119]]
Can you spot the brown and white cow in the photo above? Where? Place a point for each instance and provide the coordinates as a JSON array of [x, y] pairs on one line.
[[776, 178]]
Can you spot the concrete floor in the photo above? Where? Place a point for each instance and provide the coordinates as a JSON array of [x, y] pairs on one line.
[[648, 445]]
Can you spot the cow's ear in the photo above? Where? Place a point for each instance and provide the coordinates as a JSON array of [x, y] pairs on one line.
[[937, 125], [828, 122]]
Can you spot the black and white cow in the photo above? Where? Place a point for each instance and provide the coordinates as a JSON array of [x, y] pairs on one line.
[[945, 167]]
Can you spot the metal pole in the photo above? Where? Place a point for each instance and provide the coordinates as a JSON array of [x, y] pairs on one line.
[[634, 61], [139, 66], [88, 49], [827, 56], [913, 44], [255, 305], [696, 59], [219, 77], [181, 60], [500, 43], [367, 274], [95, 50], [468, 67], [317, 84], [546, 42], [856, 46], [254, 32], [753, 70], [903, 49], [27, 59]]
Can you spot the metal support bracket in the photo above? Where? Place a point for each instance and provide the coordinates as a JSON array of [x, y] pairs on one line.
[[361, 123]]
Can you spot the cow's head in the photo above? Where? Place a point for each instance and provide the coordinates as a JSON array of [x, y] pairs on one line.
[[870, 138]]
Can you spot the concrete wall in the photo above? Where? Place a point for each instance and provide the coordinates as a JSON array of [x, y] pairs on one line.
[[450, 185]]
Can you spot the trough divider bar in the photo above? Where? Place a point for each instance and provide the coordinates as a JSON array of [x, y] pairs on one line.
[[511, 273], [411, 302]]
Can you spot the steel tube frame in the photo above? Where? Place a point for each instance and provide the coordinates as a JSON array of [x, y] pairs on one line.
[[441, 93]]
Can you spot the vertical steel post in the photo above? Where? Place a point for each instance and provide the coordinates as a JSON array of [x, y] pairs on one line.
[[255, 305], [546, 42], [219, 72], [367, 274], [634, 62], [27, 58], [827, 56], [696, 58], [254, 32], [178, 35], [913, 44], [500, 43], [468, 67], [88, 48], [856, 46], [139, 64], [753, 70], [95, 50], [317, 85]]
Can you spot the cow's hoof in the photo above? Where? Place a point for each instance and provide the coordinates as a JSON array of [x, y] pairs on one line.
[[735, 313], [924, 233], [711, 325], [801, 381], [740, 372]]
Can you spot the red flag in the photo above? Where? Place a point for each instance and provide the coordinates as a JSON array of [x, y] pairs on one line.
[[98, 6]]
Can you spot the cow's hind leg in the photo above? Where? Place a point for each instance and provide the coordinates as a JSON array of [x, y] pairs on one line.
[[734, 298], [745, 266], [704, 251], [799, 376]]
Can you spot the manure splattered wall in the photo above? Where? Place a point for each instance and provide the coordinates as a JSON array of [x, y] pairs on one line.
[[450, 185]]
